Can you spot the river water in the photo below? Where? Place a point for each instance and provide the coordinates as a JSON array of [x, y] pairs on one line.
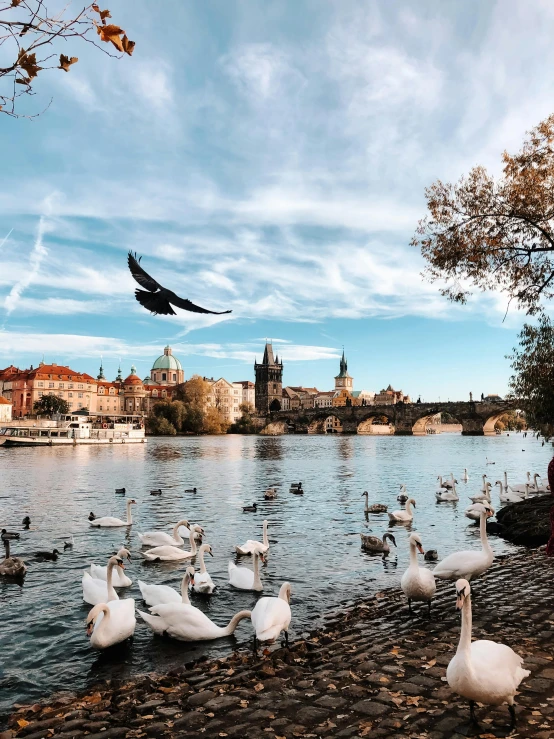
[[315, 542]]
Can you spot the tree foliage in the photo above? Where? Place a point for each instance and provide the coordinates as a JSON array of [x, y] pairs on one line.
[[496, 234], [50, 404], [533, 378], [30, 38], [189, 412], [245, 424]]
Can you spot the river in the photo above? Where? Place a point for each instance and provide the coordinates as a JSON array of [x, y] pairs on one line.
[[315, 542]]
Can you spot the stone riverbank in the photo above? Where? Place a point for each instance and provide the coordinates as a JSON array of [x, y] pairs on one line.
[[370, 671]]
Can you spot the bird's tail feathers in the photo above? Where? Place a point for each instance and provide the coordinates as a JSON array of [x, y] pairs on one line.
[[153, 302]]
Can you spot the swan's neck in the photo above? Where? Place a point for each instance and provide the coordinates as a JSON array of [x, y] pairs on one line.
[[454, 489], [234, 622], [192, 540], [257, 581], [464, 645], [176, 535], [112, 595], [7, 548], [408, 507], [505, 479], [201, 560], [185, 590], [413, 556], [129, 513], [265, 539], [103, 625], [483, 533]]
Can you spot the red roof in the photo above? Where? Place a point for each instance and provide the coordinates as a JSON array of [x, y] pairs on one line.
[[4, 401]]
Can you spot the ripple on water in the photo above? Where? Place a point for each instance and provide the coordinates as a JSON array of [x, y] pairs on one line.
[[314, 538]]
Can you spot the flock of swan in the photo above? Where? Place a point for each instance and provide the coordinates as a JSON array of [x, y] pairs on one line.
[[481, 671]]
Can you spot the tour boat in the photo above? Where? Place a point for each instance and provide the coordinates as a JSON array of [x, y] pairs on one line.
[[73, 429]]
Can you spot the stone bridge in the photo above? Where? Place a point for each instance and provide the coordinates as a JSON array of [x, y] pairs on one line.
[[405, 419]]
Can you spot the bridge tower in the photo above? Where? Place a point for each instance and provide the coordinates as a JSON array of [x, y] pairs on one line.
[[269, 382], [343, 381]]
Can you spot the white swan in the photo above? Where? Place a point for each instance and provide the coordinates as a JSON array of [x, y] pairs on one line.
[[187, 623], [406, 515], [483, 496], [270, 616], [520, 488], [488, 461], [402, 498], [245, 579], [170, 553], [119, 578], [465, 476], [483, 671], [448, 484], [155, 595], [160, 538], [468, 564], [448, 495], [111, 623], [539, 488], [97, 591], [109, 521], [374, 544], [417, 582], [203, 583], [509, 496], [11, 566], [249, 546]]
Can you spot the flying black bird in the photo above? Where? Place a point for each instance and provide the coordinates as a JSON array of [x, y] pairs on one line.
[[158, 300]]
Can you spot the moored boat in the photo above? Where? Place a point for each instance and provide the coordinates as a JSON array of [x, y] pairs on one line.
[[72, 430]]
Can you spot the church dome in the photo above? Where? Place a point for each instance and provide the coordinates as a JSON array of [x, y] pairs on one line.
[[133, 378], [167, 361]]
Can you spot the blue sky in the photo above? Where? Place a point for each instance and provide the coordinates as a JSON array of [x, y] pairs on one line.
[[271, 158]]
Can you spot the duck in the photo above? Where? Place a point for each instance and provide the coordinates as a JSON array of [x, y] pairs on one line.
[[111, 522], [471, 563], [295, 485], [417, 582], [270, 616], [9, 534], [297, 489], [203, 582], [156, 492], [120, 491], [251, 544], [111, 623], [52, 556], [250, 508], [170, 553], [447, 495], [509, 496], [11, 566], [190, 490], [465, 476], [489, 461], [270, 493], [160, 538], [69, 543], [244, 579], [91, 516], [186, 623], [483, 671], [375, 507], [431, 555], [155, 595], [119, 578], [402, 498], [97, 591], [26, 522], [406, 515], [374, 544]]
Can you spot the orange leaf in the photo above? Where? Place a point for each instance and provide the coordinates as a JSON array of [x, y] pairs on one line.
[[102, 13], [22, 723], [66, 62], [128, 46], [111, 33], [28, 63]]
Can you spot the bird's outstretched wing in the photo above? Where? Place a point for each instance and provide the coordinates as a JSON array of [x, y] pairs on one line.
[[187, 305], [156, 303], [142, 277]]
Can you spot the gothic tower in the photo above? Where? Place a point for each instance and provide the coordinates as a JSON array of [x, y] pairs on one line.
[[343, 381], [269, 382]]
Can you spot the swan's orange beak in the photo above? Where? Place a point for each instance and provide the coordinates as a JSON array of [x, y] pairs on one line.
[[420, 549]]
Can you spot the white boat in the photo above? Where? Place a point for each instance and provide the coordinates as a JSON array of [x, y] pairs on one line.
[[73, 429]]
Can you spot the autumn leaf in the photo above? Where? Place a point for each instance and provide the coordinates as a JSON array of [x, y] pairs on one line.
[[111, 34], [66, 62], [258, 687], [128, 46], [28, 63], [102, 13], [22, 723]]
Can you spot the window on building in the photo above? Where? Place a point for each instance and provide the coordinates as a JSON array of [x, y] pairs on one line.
[[79, 405], [164, 376], [69, 395], [174, 377], [112, 391], [60, 384], [50, 384], [80, 395], [40, 384], [40, 393], [80, 386], [101, 408]]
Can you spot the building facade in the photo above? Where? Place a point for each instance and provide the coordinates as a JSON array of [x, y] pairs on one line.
[[167, 370], [5, 410], [269, 382], [390, 396]]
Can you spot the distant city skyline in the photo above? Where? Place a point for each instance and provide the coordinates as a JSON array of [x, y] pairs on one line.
[[271, 159]]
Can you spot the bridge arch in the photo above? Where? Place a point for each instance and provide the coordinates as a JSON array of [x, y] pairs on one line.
[[375, 424], [488, 426], [275, 428], [328, 423]]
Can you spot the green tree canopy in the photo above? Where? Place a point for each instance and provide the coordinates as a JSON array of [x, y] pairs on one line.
[[50, 404]]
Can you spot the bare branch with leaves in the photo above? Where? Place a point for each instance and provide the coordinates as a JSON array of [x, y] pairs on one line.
[[30, 34]]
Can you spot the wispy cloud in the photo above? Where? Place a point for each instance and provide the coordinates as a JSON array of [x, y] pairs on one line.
[[36, 257]]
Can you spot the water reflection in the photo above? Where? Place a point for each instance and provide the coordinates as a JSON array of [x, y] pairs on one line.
[[269, 447]]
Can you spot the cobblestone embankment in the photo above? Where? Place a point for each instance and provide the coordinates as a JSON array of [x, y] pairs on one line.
[[369, 672]]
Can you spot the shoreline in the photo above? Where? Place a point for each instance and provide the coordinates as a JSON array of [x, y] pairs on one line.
[[369, 671]]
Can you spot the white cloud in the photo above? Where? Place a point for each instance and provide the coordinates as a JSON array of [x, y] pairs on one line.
[[36, 257]]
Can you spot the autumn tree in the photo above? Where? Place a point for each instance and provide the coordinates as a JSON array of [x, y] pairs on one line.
[[245, 424], [50, 404], [31, 39], [490, 233], [533, 378]]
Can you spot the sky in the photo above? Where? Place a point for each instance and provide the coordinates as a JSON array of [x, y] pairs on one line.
[[270, 158]]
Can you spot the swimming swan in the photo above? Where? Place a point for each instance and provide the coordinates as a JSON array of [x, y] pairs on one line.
[[483, 671], [170, 553], [160, 538], [251, 544], [539, 488], [509, 496], [109, 521], [465, 476], [406, 515], [468, 564], [245, 579], [119, 578], [203, 583], [447, 495], [97, 591], [417, 582], [11, 566], [111, 623], [270, 616], [483, 496], [374, 544], [155, 595], [187, 623]]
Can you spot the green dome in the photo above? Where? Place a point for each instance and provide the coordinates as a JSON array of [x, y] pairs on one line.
[[167, 361]]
